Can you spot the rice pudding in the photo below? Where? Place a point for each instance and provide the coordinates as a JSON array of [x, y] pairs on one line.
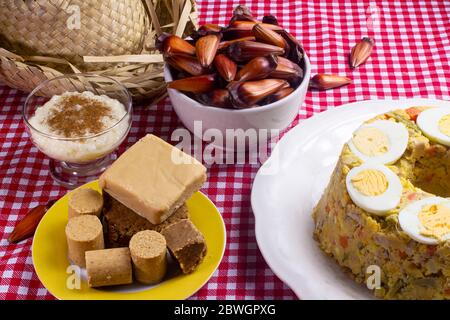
[[79, 127]]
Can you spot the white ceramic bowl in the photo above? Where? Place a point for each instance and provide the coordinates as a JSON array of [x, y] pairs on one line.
[[277, 115]]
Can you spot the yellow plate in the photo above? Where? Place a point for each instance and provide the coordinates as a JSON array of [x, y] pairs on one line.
[[50, 261]]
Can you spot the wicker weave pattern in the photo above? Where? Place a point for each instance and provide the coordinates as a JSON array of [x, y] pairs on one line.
[[113, 27], [41, 47], [20, 75]]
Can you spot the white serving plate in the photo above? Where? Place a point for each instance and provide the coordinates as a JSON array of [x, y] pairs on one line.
[[284, 195]]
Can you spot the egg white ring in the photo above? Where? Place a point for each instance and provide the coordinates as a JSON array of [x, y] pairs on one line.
[[380, 204], [390, 129], [410, 223], [433, 116]]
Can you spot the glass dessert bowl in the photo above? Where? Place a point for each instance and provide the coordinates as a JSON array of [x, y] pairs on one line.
[[80, 126]]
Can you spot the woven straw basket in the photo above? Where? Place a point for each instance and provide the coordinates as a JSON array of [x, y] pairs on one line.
[[41, 39]]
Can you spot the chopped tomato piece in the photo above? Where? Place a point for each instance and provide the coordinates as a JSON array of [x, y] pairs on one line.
[[431, 250], [343, 241], [413, 113], [447, 292], [402, 254], [412, 196], [431, 151]]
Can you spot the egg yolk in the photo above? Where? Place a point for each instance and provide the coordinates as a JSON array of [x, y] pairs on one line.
[[371, 141], [435, 220], [370, 182], [444, 125]]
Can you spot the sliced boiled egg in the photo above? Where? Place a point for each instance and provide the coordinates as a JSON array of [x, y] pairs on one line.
[[427, 221], [381, 141], [435, 124], [374, 188]]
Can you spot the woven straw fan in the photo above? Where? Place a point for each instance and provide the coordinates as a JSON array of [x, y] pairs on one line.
[[115, 38]]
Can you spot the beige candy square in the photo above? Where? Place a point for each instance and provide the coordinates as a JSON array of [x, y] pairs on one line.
[[153, 178]]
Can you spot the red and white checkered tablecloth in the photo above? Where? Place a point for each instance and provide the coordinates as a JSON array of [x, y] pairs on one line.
[[411, 59]]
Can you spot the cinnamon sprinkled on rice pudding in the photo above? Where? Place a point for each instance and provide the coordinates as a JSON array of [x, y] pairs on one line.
[[79, 127]]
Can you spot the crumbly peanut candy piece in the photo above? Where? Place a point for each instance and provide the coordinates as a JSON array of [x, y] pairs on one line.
[[85, 201], [83, 233], [109, 267], [186, 244], [122, 223], [148, 253]]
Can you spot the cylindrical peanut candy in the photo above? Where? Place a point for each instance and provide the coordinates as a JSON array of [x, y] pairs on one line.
[[148, 252], [109, 267], [85, 201], [83, 233]]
